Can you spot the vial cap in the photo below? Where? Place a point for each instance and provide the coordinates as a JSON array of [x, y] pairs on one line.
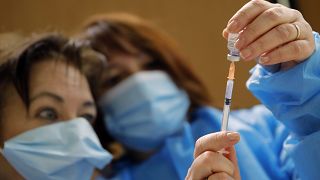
[[233, 58]]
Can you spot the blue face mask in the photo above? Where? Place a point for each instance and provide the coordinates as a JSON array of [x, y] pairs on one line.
[[145, 109], [66, 150]]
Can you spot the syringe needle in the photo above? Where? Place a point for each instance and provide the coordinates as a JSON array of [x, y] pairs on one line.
[[232, 70]]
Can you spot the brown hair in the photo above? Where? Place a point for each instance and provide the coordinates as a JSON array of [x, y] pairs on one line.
[[15, 67], [114, 32]]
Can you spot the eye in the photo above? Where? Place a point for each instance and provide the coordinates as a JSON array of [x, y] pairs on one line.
[[89, 117], [48, 114]]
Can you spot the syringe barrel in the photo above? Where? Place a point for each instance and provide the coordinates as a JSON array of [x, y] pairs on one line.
[[229, 89], [227, 103], [225, 117]]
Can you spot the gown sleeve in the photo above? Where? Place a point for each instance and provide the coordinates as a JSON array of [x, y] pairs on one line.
[[293, 96]]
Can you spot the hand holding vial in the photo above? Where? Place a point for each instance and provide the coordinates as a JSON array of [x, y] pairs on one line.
[[273, 32]]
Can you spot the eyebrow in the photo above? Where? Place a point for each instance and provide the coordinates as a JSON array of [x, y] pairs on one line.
[[87, 104], [47, 94]]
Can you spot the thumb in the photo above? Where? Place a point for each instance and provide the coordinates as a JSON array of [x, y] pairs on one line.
[[215, 142]]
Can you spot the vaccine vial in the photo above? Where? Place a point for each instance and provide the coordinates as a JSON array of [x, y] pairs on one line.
[[233, 54]]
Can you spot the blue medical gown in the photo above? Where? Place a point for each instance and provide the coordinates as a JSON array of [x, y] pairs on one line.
[[287, 148], [294, 98], [258, 151]]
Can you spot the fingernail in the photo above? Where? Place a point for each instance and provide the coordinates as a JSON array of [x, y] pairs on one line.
[[264, 60], [232, 26], [245, 54], [232, 136]]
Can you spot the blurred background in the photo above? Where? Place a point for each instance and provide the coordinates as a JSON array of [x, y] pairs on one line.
[[195, 25]]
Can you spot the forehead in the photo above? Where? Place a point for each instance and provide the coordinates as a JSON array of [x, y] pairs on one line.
[[58, 77]]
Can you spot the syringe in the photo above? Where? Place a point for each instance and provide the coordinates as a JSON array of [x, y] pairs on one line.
[[233, 56], [227, 98]]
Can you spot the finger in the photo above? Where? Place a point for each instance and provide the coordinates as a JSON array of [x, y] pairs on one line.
[[215, 142], [265, 22], [225, 33], [276, 37], [232, 156], [208, 163], [219, 176], [295, 50], [247, 14]]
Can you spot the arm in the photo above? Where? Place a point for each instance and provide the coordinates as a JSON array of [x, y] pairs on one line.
[[281, 37], [293, 96]]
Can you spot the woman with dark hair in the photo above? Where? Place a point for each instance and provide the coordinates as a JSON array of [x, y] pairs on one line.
[[46, 108], [161, 95], [151, 99], [155, 107]]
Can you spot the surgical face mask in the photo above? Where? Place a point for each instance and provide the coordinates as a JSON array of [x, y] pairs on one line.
[[66, 150], [144, 109]]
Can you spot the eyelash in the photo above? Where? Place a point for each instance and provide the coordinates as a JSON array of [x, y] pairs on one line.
[[40, 114]]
